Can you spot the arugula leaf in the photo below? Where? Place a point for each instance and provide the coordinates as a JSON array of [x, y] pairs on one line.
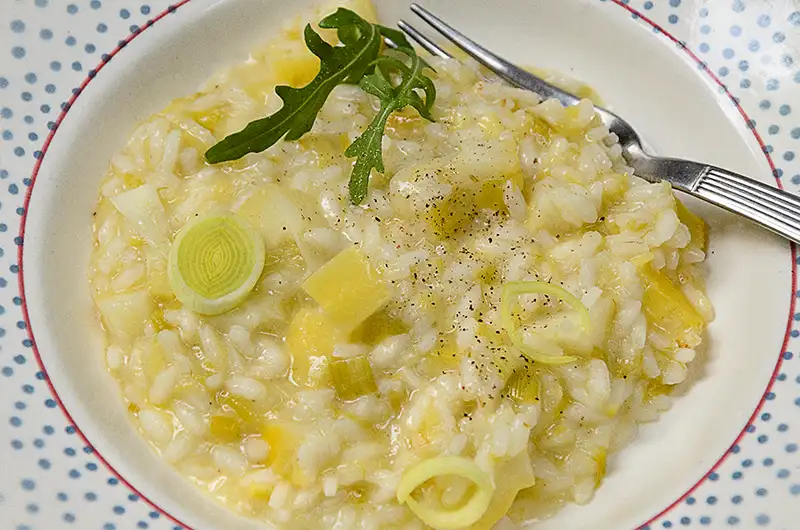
[[356, 61], [361, 44], [368, 147]]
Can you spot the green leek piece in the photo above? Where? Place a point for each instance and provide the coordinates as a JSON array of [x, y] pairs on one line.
[[214, 263], [352, 378], [438, 518], [522, 386], [512, 291]]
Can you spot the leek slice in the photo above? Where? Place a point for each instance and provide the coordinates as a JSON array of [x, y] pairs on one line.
[[438, 518], [513, 290], [214, 263], [353, 377]]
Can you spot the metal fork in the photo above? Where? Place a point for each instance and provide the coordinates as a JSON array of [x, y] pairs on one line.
[[769, 207]]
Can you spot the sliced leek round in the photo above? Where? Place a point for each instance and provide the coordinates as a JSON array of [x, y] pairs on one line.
[[513, 290], [436, 517], [214, 263]]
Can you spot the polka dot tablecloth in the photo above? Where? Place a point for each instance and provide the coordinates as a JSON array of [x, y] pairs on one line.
[[49, 479]]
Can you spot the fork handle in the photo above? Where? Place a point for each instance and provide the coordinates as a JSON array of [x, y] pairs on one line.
[[770, 207]]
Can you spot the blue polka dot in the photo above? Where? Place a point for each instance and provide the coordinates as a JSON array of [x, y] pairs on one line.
[[794, 18], [788, 156], [72, 9], [38, 443], [102, 28], [764, 21], [736, 30], [7, 135], [70, 41], [795, 489], [16, 445], [124, 14], [62, 496], [3, 83], [733, 520], [18, 52], [791, 448], [32, 508], [673, 19], [50, 403], [55, 66], [648, 5], [6, 113], [26, 96], [7, 371], [44, 464], [41, 3], [704, 47], [90, 496], [761, 492], [119, 510], [782, 473], [68, 518], [77, 66], [74, 473], [109, 526], [738, 6], [30, 78], [17, 26], [785, 110], [46, 34], [747, 463], [145, 9], [28, 484]]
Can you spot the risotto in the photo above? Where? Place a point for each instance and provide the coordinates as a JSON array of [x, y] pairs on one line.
[[463, 349]]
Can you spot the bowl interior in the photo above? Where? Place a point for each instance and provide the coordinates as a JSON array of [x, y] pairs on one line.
[[641, 76]]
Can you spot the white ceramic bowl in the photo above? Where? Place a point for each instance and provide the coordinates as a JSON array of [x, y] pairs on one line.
[[676, 107]]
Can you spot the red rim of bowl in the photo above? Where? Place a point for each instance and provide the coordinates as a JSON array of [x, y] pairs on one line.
[[173, 9]]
